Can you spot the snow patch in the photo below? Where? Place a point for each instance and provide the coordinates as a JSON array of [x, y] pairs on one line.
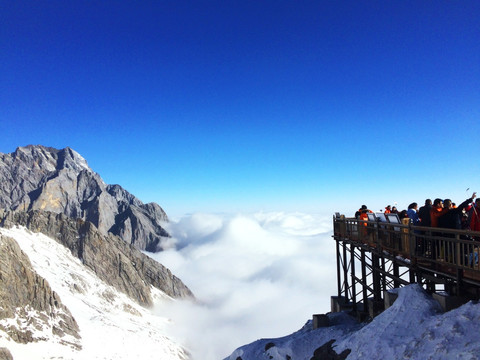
[[112, 326], [412, 328]]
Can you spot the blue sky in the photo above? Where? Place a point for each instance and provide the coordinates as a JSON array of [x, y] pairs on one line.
[[232, 106]]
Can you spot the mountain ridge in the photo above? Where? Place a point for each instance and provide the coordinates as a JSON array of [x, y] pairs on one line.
[[55, 193], [111, 259], [36, 177]]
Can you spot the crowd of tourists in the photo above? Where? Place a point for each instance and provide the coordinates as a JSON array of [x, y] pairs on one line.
[[439, 213]]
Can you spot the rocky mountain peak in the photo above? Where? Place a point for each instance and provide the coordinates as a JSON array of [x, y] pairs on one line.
[[37, 177]]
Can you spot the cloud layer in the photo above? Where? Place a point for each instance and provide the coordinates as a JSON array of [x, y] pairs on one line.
[[260, 275]]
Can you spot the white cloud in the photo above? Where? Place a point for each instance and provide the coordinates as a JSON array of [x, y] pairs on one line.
[[260, 275]]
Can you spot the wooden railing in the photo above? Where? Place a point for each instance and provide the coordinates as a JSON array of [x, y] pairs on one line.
[[454, 249]]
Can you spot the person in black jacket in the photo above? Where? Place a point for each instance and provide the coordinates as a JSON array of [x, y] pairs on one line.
[[452, 219], [424, 213], [423, 247]]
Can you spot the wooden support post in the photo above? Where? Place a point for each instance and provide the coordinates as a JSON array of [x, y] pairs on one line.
[[411, 274], [364, 277], [352, 264], [396, 274], [339, 275], [459, 281], [383, 277], [377, 289], [345, 272]]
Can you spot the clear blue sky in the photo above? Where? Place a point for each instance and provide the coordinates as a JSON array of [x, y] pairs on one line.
[[251, 105]]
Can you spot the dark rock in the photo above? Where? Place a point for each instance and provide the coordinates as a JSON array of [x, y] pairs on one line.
[[269, 345], [326, 352]]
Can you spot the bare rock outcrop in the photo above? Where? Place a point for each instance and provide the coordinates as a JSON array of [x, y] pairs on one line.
[[60, 181], [114, 261], [29, 309], [326, 352], [5, 354]]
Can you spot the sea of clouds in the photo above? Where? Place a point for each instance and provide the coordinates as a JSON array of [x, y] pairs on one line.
[[254, 276]]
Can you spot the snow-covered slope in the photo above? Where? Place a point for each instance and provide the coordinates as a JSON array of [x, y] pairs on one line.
[[112, 326], [413, 328]]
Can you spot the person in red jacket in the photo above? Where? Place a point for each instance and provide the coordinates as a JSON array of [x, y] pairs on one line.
[[388, 209], [475, 216]]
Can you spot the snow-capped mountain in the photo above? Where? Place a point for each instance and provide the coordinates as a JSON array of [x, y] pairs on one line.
[[71, 270], [110, 325]]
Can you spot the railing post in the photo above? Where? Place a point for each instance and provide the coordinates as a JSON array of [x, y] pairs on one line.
[[457, 251], [412, 238], [412, 242]]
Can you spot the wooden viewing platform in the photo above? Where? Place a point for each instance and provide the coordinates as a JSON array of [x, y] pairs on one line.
[[381, 254]]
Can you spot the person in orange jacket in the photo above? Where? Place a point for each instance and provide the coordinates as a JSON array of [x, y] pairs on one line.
[[436, 211], [361, 214], [364, 216], [360, 211], [388, 209]]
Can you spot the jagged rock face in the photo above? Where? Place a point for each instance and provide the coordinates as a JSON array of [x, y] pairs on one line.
[[27, 297], [114, 261], [5, 354], [60, 181]]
